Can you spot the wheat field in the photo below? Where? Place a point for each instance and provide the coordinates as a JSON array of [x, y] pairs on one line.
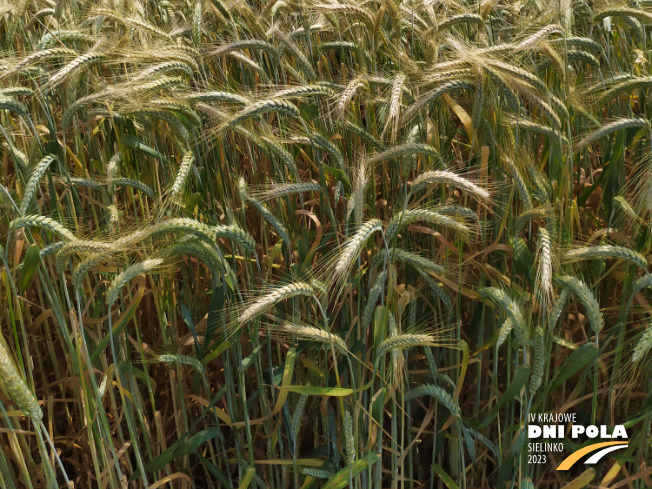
[[309, 244]]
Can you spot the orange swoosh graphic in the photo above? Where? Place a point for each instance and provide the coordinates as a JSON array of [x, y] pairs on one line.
[[574, 457]]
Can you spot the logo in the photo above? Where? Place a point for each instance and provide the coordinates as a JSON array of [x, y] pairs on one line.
[[554, 426]]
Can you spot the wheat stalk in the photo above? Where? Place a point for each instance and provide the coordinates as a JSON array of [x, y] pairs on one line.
[[415, 260], [539, 129], [130, 182], [202, 250], [460, 19], [438, 393], [374, 294], [542, 33], [586, 297], [349, 440], [32, 183], [246, 44], [523, 191], [282, 154], [84, 246], [263, 107], [606, 252], [128, 274], [538, 360], [15, 387], [636, 13], [304, 91], [510, 307], [504, 331], [627, 86], [396, 96], [404, 341], [627, 209], [364, 14], [544, 268], [643, 345], [440, 176], [297, 417], [625, 123], [283, 190], [217, 96], [347, 96], [84, 267], [407, 149], [265, 213], [296, 53], [237, 234], [438, 92], [180, 359], [316, 473], [64, 36], [182, 173], [270, 299], [557, 309], [180, 107], [353, 247], [38, 57], [19, 157], [531, 215], [16, 92], [42, 222], [84, 60], [145, 26], [165, 68], [363, 134], [404, 218], [312, 333]]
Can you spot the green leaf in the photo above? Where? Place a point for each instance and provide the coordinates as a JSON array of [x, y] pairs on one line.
[[187, 318], [120, 324], [380, 321], [506, 469], [581, 357], [527, 484], [310, 390], [247, 361], [53, 147], [133, 142], [468, 441], [219, 349], [181, 448], [30, 263], [215, 313], [339, 175], [520, 378], [343, 477], [522, 258], [446, 479], [248, 477], [214, 471]]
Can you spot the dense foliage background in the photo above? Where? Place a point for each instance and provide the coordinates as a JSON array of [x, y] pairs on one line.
[[303, 244]]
